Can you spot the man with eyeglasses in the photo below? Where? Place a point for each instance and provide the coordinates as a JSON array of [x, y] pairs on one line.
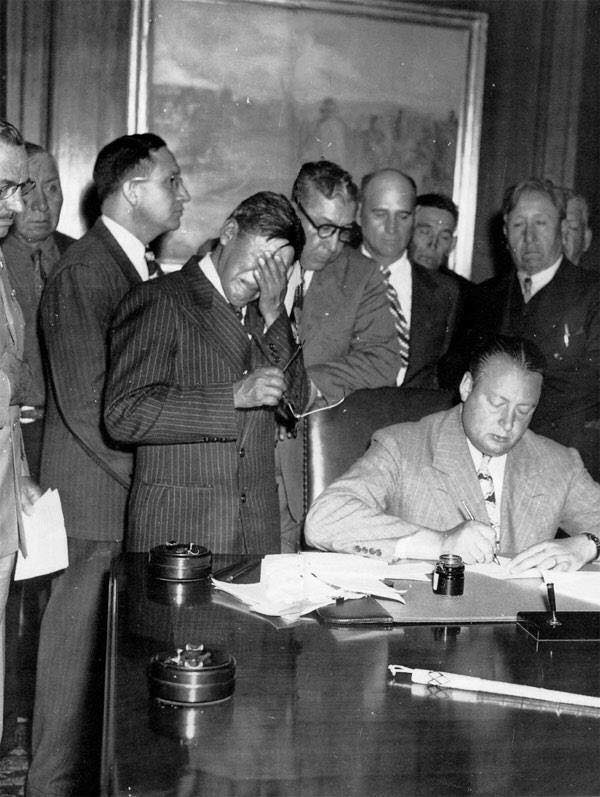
[[18, 492], [336, 298], [139, 187], [199, 362], [424, 305]]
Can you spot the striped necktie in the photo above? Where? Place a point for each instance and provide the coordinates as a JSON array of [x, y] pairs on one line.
[[489, 492], [400, 322]]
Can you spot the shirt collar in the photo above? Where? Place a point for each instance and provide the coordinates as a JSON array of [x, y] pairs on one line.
[[132, 246], [542, 278], [212, 275], [402, 261]]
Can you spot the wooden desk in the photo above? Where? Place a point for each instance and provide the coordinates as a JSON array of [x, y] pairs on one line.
[[314, 713]]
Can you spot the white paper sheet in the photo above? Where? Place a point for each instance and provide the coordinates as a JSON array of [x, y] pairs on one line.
[[501, 571], [292, 585], [45, 539]]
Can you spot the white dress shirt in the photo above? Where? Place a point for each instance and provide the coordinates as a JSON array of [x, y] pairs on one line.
[[297, 277], [132, 246], [541, 279]]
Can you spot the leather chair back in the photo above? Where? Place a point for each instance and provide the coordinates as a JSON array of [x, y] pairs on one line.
[[336, 438]]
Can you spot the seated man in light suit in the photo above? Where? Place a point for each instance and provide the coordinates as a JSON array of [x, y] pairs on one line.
[[409, 494]]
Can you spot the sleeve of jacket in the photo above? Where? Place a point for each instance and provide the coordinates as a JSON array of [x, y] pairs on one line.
[[144, 404], [75, 313], [280, 347], [373, 354]]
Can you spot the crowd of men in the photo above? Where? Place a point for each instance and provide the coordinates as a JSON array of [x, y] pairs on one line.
[[171, 406]]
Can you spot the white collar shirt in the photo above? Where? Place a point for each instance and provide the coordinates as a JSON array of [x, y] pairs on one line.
[[132, 246], [541, 279], [496, 468]]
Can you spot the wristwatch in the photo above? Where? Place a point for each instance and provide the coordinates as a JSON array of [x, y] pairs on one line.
[[596, 542]]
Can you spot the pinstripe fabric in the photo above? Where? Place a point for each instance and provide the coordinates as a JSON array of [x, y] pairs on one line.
[[418, 473], [91, 474], [204, 470]]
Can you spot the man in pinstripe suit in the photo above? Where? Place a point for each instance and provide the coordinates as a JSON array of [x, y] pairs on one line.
[[199, 362], [142, 196]]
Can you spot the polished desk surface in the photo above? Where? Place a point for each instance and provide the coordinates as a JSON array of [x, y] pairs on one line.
[[314, 711]]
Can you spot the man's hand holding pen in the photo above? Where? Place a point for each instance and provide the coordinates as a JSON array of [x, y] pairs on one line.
[[474, 541]]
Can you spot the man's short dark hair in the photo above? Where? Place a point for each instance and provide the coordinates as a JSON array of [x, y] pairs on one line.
[[122, 158], [522, 351], [325, 177], [545, 187], [10, 135], [271, 215], [439, 201], [366, 180]]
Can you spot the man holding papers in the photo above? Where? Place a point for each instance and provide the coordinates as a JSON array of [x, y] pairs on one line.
[[413, 491], [17, 490]]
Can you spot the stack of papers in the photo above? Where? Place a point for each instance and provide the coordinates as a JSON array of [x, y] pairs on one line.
[[44, 539], [292, 585]]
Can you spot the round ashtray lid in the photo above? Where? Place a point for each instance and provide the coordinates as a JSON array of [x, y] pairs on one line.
[[180, 561], [193, 674], [178, 550]]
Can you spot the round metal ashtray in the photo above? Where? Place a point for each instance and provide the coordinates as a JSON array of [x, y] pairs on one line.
[[191, 675], [180, 561]]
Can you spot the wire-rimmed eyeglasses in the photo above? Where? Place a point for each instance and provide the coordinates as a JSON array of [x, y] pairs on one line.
[[10, 189]]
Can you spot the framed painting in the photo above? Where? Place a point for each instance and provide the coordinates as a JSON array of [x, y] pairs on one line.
[[245, 91]]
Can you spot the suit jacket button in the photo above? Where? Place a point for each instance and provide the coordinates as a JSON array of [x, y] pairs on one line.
[[242, 452], [272, 346], [243, 498]]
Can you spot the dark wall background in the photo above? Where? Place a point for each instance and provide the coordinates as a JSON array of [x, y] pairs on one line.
[[64, 81]]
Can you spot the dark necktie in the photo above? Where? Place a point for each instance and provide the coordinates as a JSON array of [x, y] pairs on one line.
[[154, 269], [526, 289], [39, 277]]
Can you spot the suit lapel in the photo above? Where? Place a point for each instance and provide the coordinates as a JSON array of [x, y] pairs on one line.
[[453, 459], [523, 497], [208, 310], [109, 242]]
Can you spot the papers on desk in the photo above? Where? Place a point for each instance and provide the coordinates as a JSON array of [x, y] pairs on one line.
[[45, 539], [501, 571], [292, 585]]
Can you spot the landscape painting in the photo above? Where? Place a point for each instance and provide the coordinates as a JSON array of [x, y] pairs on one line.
[[245, 92]]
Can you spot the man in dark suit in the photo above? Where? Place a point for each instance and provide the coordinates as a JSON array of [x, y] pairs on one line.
[[427, 303], [32, 250], [199, 362], [554, 303], [142, 195], [433, 237]]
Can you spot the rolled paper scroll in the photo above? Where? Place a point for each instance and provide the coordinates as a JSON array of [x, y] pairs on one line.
[[449, 680]]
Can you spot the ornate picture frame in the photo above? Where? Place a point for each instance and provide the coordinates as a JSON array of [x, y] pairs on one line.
[[245, 91]]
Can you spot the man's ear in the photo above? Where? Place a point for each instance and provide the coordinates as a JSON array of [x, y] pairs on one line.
[[453, 244], [130, 189], [466, 386], [228, 232]]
